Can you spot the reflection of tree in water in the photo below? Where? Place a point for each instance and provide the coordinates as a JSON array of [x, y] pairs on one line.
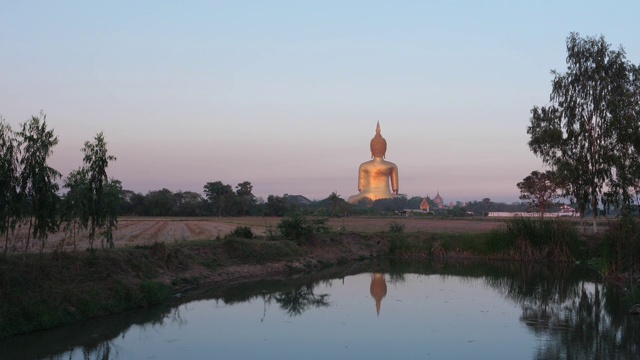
[[397, 278], [103, 351], [581, 320], [296, 301]]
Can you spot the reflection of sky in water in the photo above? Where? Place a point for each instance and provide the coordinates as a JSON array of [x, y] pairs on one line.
[[422, 317]]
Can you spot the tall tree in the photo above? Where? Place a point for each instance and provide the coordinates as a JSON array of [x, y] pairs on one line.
[[112, 198], [220, 196], [276, 205], [540, 189], [75, 204], [578, 134], [96, 160], [159, 203], [188, 203], [9, 181], [246, 199], [37, 179]]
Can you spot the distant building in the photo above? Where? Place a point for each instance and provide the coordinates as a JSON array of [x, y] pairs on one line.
[[424, 205], [438, 200]]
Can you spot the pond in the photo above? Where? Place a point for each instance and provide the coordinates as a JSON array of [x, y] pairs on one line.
[[426, 310]]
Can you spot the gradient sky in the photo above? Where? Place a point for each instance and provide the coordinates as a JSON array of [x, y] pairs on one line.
[[286, 94]]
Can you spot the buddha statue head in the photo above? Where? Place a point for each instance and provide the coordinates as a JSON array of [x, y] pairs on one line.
[[378, 144]]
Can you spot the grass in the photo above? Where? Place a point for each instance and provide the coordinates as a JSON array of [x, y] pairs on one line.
[[46, 290], [520, 239]]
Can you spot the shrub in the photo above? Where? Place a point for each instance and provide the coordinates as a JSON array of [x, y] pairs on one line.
[[243, 232], [300, 229], [621, 245], [396, 227], [539, 239]]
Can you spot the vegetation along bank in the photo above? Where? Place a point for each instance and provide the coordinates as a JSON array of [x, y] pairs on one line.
[[45, 290]]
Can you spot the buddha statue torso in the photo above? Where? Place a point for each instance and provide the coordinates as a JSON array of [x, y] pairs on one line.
[[374, 175]]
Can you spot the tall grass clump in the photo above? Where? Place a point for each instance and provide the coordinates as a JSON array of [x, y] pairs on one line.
[[300, 228], [243, 232], [539, 239], [621, 246], [395, 227]]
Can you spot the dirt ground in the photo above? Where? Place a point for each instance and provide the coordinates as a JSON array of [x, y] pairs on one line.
[[143, 231]]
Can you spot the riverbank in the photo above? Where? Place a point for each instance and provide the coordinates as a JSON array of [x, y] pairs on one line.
[[39, 291]]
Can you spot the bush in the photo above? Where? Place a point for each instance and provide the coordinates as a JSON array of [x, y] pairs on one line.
[[396, 227], [300, 229], [540, 239], [621, 245], [243, 232]]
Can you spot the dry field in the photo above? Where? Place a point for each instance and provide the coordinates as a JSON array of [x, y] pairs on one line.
[[142, 231]]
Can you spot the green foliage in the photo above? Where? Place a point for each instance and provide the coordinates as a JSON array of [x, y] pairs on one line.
[[334, 205], [400, 246], [497, 242], [104, 195], [247, 251], [75, 205], [300, 228], [395, 227], [589, 133], [244, 198], [159, 203], [538, 239], [9, 182], [220, 196], [271, 233], [154, 292], [38, 180], [540, 189], [620, 249], [276, 205], [243, 232], [296, 227]]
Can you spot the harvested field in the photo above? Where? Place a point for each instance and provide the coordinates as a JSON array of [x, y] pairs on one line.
[[144, 231]]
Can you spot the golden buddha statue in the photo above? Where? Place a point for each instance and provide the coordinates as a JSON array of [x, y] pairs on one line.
[[374, 175]]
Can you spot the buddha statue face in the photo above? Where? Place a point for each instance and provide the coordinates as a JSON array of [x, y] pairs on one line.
[[378, 144]]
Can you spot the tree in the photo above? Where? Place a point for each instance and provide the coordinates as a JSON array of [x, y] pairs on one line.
[[96, 160], [188, 203], [540, 189], [277, 205], [159, 203], [584, 133], [111, 201], [337, 203], [132, 203], [75, 204], [220, 196], [38, 180], [246, 199], [9, 181]]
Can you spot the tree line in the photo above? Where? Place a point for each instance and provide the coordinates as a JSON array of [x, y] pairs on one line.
[[219, 199], [29, 189]]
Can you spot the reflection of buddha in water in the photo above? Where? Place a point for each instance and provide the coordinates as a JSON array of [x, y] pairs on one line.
[[378, 289], [374, 175]]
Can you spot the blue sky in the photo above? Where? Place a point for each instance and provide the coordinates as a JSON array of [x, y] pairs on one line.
[[286, 94]]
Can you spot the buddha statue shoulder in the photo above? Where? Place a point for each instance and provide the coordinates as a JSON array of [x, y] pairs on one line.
[[375, 175]]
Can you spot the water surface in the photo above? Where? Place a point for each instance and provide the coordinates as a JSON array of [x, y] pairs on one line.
[[372, 311]]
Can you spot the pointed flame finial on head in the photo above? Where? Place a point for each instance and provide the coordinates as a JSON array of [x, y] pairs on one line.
[[378, 128]]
